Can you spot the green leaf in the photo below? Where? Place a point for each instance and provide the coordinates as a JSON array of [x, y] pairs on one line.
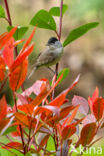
[[10, 130], [65, 73], [43, 19], [2, 12], [28, 154], [78, 32], [55, 11], [21, 30]]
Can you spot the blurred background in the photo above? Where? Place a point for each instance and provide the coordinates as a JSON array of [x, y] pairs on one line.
[[84, 56]]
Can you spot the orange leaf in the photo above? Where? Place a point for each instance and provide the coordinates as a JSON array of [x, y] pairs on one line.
[[2, 69], [58, 101], [8, 52], [68, 131], [10, 145], [43, 142], [98, 108], [27, 108], [20, 58], [29, 40], [3, 123], [18, 76], [4, 38], [68, 120], [25, 120], [87, 134], [3, 108]]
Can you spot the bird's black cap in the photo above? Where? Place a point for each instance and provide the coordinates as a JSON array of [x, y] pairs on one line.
[[52, 40]]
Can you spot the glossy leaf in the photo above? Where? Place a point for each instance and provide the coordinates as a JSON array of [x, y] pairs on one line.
[[65, 73], [11, 145], [87, 134], [10, 130], [45, 93], [78, 32], [25, 120], [5, 37], [2, 12], [55, 11], [8, 52], [21, 30], [43, 142], [68, 131], [27, 108], [21, 57], [98, 108], [84, 107], [17, 76], [2, 69], [59, 100], [3, 124], [43, 19], [3, 108], [28, 40]]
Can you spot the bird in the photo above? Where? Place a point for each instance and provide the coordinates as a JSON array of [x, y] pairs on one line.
[[50, 56]]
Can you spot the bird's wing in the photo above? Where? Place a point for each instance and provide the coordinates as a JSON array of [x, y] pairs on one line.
[[45, 58]]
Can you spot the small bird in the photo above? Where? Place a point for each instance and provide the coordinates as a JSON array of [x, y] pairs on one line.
[[50, 56]]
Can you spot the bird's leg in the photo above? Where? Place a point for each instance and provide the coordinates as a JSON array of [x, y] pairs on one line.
[[51, 70]]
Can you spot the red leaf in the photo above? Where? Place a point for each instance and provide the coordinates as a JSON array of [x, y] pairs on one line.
[[4, 38], [29, 40], [21, 57], [98, 108], [43, 142], [27, 108], [89, 119], [68, 120], [8, 52], [59, 100], [36, 88], [25, 120], [87, 134], [10, 145], [68, 131], [18, 76], [94, 97], [3, 108], [47, 109], [84, 108], [2, 69], [3, 123]]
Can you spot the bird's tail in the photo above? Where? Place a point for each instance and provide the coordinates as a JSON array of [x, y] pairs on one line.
[[32, 72]]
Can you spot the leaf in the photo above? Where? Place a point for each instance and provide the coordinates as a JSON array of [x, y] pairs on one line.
[[3, 123], [68, 131], [59, 100], [28, 154], [65, 73], [2, 69], [45, 93], [21, 57], [92, 99], [10, 130], [28, 40], [17, 77], [68, 120], [43, 19], [8, 52], [43, 142], [3, 108], [87, 134], [78, 32], [55, 11], [25, 120], [21, 30], [89, 119], [11, 145], [2, 12], [84, 107], [98, 108], [5, 37], [27, 108]]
